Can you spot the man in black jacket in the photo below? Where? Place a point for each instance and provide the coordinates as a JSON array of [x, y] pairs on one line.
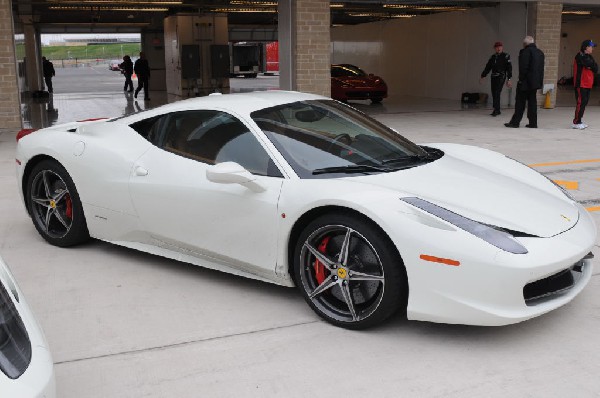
[[531, 79], [127, 67], [142, 70], [501, 67], [49, 73]]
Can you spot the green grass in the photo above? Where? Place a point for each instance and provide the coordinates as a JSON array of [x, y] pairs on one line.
[[96, 51]]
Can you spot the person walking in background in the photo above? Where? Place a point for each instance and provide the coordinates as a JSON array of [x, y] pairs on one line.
[[531, 79], [142, 70], [501, 67], [584, 68], [127, 67], [49, 73]]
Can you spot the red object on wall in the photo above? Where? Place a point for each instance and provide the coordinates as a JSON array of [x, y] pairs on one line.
[[273, 56]]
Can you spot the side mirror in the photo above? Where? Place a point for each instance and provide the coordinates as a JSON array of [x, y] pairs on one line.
[[233, 173]]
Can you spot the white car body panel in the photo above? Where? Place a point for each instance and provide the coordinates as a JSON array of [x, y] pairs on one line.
[[139, 196], [38, 380]]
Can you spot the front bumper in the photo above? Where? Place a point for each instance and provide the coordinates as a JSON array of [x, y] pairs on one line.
[[489, 286]]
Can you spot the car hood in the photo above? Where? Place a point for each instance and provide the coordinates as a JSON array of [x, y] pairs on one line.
[[494, 190]]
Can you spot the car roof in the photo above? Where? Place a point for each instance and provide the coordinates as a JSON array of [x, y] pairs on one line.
[[241, 103]]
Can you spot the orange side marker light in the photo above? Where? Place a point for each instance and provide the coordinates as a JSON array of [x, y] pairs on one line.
[[440, 260]]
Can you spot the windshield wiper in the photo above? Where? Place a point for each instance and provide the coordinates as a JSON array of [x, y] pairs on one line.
[[351, 169], [408, 159]]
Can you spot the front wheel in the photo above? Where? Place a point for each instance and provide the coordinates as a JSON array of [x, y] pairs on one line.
[[349, 272], [54, 206]]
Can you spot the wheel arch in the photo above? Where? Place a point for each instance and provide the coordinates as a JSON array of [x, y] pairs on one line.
[[316, 212], [29, 166]]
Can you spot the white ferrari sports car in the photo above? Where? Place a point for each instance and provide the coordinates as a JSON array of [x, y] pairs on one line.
[[298, 189], [26, 368]]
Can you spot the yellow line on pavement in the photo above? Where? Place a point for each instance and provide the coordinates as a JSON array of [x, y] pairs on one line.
[[570, 185], [567, 162], [594, 208]]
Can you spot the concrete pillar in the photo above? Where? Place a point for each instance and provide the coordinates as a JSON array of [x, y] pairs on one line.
[[33, 62], [304, 46], [544, 24], [10, 116], [196, 54]]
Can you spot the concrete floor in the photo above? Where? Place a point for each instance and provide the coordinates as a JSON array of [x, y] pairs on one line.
[[121, 323]]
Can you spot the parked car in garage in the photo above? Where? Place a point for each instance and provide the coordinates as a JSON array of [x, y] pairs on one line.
[[114, 64], [349, 82], [26, 367]]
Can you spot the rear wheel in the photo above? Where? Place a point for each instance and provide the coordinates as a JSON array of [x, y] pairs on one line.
[[348, 271], [54, 205]]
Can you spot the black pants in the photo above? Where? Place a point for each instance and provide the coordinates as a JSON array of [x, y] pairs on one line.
[[128, 82], [529, 97], [142, 83], [497, 84], [48, 81], [582, 95]]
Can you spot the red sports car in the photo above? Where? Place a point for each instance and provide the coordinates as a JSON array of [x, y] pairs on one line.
[[350, 82]]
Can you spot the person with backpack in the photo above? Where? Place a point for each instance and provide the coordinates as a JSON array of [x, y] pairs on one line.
[[127, 67]]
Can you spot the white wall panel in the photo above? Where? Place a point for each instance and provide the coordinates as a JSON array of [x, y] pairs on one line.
[[437, 56]]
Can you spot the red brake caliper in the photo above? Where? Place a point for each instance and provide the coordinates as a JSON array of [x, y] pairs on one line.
[[69, 209], [319, 267]]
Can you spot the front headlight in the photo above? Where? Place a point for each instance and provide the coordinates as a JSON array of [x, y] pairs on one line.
[[494, 236], [15, 346]]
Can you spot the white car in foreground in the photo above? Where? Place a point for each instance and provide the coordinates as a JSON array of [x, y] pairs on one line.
[[26, 368], [298, 189]]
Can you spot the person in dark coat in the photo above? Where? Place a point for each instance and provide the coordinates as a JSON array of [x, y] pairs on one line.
[[142, 70], [49, 73], [584, 68], [501, 67], [127, 67], [531, 79]]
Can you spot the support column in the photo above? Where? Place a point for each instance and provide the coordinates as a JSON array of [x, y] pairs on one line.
[[33, 61], [304, 46], [544, 22], [10, 116]]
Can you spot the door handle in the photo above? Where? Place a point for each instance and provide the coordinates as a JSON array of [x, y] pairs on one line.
[[140, 171]]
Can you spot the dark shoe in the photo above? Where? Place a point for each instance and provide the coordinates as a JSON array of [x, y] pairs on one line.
[[495, 113], [531, 126], [514, 126], [130, 91], [135, 95]]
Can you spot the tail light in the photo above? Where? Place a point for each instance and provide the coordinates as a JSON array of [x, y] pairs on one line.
[[24, 132]]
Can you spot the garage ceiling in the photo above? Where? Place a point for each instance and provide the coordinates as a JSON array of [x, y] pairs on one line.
[[134, 15]]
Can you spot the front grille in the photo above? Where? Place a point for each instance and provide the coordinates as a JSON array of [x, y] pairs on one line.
[[554, 285]]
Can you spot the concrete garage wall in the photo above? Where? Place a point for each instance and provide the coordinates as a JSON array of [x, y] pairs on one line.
[[576, 32], [436, 56]]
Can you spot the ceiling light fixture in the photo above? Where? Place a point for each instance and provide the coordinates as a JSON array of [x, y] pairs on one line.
[[253, 3], [124, 2], [577, 12], [128, 9]]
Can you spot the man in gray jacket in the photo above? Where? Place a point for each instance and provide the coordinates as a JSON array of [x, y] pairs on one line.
[[531, 79]]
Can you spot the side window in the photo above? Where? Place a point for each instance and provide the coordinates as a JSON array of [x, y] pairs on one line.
[[148, 128], [215, 137]]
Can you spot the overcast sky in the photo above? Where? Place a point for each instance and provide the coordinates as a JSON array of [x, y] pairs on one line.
[[46, 38]]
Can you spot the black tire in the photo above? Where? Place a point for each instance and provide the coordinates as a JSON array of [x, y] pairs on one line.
[[54, 206], [376, 100], [355, 291]]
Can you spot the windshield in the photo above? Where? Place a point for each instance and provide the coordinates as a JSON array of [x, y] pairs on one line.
[[346, 71], [326, 138]]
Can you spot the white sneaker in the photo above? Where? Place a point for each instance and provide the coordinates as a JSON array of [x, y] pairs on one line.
[[579, 126]]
